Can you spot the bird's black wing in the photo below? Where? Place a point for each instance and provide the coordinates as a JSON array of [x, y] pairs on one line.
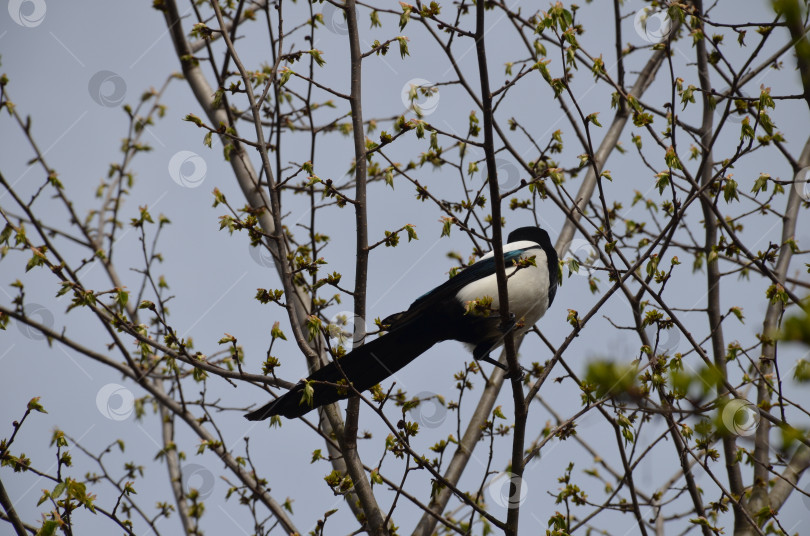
[[448, 290], [364, 367]]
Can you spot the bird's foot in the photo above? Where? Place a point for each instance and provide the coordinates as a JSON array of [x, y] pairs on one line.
[[521, 374], [481, 353], [492, 362]]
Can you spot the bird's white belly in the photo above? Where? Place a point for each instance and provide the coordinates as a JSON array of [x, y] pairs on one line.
[[528, 290]]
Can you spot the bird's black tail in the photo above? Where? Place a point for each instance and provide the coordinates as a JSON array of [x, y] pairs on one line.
[[364, 367]]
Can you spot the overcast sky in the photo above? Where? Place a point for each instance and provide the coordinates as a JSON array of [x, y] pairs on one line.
[[72, 66]]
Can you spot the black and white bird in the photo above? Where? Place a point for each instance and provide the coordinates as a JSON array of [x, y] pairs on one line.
[[442, 314]]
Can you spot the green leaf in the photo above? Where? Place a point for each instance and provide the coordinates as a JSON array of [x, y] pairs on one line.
[[642, 119], [796, 328], [306, 396], [688, 96], [276, 332], [746, 131], [542, 66], [765, 100], [761, 184], [612, 378], [802, 371], [446, 226], [38, 259], [672, 159], [730, 190], [662, 181], [403, 46], [227, 339], [316, 55], [313, 325], [767, 123], [48, 528], [194, 119], [406, 15], [34, 405], [59, 489], [227, 150], [286, 73]]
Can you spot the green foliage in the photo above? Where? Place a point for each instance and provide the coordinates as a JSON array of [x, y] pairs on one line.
[[610, 378], [796, 328]]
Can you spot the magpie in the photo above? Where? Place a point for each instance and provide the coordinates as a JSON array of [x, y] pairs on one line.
[[463, 308]]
